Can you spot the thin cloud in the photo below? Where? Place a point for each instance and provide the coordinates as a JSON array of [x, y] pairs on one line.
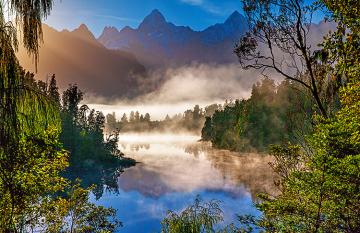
[[116, 18], [205, 5], [193, 2]]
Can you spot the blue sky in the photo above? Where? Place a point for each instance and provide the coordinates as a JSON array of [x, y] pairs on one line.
[[96, 14]]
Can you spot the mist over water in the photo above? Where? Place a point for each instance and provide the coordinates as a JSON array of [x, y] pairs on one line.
[[173, 169], [157, 111]]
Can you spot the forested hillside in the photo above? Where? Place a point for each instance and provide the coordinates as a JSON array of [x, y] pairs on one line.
[[274, 114]]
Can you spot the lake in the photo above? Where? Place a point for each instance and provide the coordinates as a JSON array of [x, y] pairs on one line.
[[173, 170]]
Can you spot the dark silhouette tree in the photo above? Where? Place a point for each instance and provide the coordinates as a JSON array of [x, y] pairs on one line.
[[137, 116], [111, 120], [53, 91], [124, 118], [132, 116], [206, 130], [147, 117]]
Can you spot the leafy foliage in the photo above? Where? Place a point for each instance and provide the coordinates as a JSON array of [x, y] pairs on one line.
[[93, 158], [31, 173], [29, 123], [197, 218], [273, 114], [320, 187], [279, 41], [320, 193], [31, 155], [76, 213]]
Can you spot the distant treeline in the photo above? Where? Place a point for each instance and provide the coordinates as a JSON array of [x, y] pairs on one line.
[[191, 120], [274, 114]]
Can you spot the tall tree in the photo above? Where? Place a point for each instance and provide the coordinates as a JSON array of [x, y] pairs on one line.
[[132, 117], [29, 122], [278, 40], [53, 91], [147, 117], [124, 118], [71, 100], [137, 116], [320, 190]]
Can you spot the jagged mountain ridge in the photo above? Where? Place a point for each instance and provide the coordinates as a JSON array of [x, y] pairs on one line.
[[78, 57], [157, 42]]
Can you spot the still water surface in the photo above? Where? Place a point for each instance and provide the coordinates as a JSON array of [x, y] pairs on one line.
[[173, 170]]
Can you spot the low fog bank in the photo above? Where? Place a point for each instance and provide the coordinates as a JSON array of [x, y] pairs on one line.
[[202, 83], [175, 90], [157, 111], [158, 137]]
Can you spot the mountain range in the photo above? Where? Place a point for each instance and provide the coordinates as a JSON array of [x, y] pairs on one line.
[[118, 63], [77, 57], [157, 42]]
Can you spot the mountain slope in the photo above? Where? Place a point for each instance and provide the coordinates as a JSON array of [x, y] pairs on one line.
[[157, 42], [77, 57]]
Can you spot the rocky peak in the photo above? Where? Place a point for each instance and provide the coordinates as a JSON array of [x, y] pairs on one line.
[[235, 18], [83, 32], [153, 22]]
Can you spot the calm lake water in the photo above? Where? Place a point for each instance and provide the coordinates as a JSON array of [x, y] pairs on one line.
[[173, 170]]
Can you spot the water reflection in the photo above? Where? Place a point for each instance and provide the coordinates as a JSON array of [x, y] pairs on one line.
[[135, 147], [173, 169], [248, 169], [99, 171]]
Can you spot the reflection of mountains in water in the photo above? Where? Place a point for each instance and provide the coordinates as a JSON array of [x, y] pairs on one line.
[[207, 169]]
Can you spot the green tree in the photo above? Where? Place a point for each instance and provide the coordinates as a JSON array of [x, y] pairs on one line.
[[207, 130], [341, 48], [53, 91], [31, 156], [320, 193], [71, 99], [31, 173], [278, 41], [320, 189], [75, 213], [272, 115], [97, 158], [29, 149], [197, 218]]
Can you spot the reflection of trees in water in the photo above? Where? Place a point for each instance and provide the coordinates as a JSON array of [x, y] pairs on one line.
[[135, 147], [249, 172], [103, 174], [248, 169], [225, 172]]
